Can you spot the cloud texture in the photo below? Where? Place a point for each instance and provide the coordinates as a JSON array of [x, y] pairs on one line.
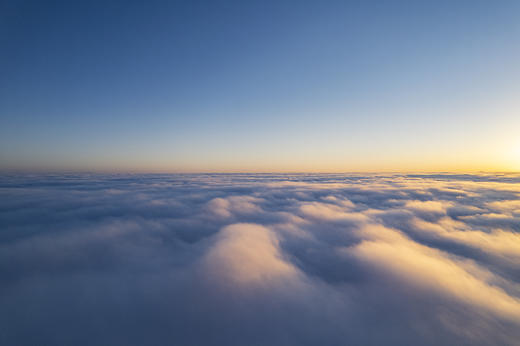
[[260, 259]]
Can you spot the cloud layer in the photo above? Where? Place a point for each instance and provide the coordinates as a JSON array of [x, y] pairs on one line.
[[260, 259]]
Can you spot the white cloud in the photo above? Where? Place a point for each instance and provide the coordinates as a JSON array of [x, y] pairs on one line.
[[278, 259], [248, 254], [226, 207], [393, 255]]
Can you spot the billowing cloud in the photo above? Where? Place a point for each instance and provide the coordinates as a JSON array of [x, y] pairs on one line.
[[496, 242], [408, 262], [330, 212], [248, 254], [226, 207], [271, 259]]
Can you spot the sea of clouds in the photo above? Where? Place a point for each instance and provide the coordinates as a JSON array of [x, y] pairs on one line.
[[259, 259]]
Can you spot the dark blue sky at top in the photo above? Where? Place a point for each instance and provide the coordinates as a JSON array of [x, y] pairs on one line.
[[189, 74]]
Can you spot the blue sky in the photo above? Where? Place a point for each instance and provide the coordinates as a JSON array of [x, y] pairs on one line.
[[259, 86]]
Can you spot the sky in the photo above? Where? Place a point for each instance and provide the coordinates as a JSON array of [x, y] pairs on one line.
[[259, 86]]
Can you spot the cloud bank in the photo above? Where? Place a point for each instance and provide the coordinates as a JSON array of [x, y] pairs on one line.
[[260, 259]]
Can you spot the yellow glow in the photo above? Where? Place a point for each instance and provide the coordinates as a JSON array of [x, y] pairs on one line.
[[512, 156], [515, 154]]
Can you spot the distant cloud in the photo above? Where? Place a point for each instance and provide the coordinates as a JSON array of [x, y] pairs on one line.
[[226, 207]]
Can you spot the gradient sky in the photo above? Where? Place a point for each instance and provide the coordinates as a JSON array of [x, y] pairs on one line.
[[260, 86]]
